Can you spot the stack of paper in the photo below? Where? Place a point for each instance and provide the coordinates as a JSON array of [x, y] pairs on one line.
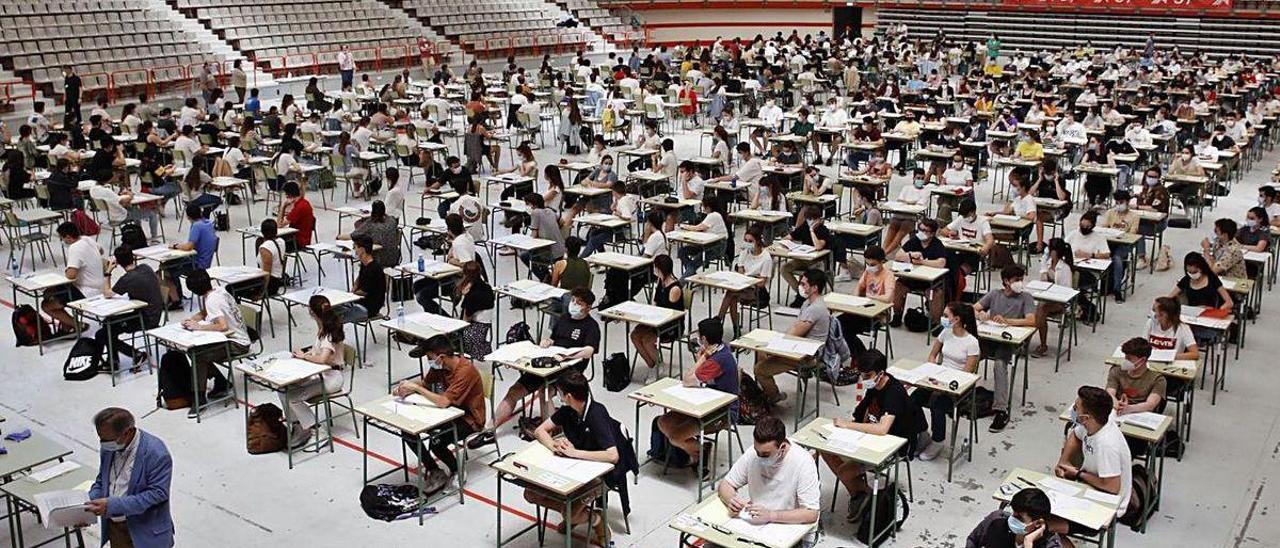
[[46, 474], [439, 323], [1147, 420], [1005, 218], [771, 534], [729, 277], [288, 370], [1038, 286], [789, 345], [62, 509], [644, 313], [694, 395]]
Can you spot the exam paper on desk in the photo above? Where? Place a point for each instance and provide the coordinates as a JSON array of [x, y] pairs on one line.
[[693, 395], [773, 534], [46, 474]]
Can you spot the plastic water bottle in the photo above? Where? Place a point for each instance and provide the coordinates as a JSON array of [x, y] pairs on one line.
[[422, 263], [400, 312], [14, 267]]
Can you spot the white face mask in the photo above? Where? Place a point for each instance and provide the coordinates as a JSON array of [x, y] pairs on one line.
[[873, 269], [1127, 366], [577, 311], [1017, 286], [433, 364], [1122, 208], [1195, 275], [922, 235]]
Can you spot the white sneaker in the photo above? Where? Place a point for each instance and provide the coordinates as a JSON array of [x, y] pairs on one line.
[[844, 277], [932, 451]]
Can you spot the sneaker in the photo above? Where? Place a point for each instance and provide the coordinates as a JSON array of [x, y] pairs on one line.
[[435, 481], [844, 277], [1142, 263], [482, 439], [300, 436], [857, 506], [1040, 351], [143, 361], [932, 451], [998, 422], [1119, 297]]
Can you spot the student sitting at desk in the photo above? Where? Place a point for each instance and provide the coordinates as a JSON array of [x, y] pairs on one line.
[[197, 182], [575, 329], [1022, 525], [715, 367], [1009, 305], [1153, 197], [956, 347], [220, 313], [1095, 440], [1133, 386], [814, 184], [772, 195], [1267, 200], [689, 186], [1254, 236], [271, 257], [692, 258], [754, 261], [868, 134], [955, 174], [464, 389], [884, 410], [970, 227], [1166, 331], [589, 433], [370, 284], [1224, 254], [750, 170], [527, 167], [623, 206], [326, 350], [813, 322], [809, 230], [139, 282], [1120, 217], [1055, 268], [476, 299], [917, 193], [295, 211], [84, 269], [383, 229], [668, 293], [925, 249], [782, 483]]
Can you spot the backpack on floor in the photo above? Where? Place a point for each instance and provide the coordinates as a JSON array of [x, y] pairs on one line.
[[617, 373], [389, 502], [1173, 445], [175, 381], [131, 235], [752, 404], [915, 320], [83, 360], [28, 327], [221, 221], [265, 431], [86, 224], [519, 332], [884, 512], [1144, 489]]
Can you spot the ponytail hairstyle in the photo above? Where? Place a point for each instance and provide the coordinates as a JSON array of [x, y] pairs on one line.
[[329, 322], [964, 312]]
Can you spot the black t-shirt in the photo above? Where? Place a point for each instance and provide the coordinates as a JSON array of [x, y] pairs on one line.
[[1205, 296], [573, 333], [478, 298], [801, 234], [933, 251], [142, 284], [908, 419], [1120, 147], [1222, 142], [71, 86], [596, 431], [371, 281]]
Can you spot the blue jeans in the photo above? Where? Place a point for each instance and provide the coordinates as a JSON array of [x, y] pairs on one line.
[[1119, 254], [691, 258], [939, 406], [596, 240], [540, 270], [352, 312], [153, 219]]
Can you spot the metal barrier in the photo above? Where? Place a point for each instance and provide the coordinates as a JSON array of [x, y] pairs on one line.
[[7, 89], [88, 80], [268, 64], [114, 83], [153, 83]]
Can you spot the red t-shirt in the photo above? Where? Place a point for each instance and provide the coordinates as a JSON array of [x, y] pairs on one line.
[[302, 218]]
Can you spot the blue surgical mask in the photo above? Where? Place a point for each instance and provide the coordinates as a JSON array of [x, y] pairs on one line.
[[1016, 526], [947, 323], [110, 446], [576, 311]]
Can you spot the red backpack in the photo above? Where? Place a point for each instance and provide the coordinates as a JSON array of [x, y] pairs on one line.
[[86, 224], [28, 327]]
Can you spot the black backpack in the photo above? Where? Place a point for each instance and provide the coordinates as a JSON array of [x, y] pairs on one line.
[[221, 221], [83, 360], [389, 502], [915, 320], [519, 332], [884, 511], [131, 235], [175, 381], [28, 327], [617, 373], [1144, 489]]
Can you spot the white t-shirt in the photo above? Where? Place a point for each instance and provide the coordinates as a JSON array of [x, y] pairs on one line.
[[115, 212], [335, 356], [276, 248], [957, 350], [912, 195], [234, 157], [394, 200], [1107, 455], [189, 146], [657, 244], [220, 304], [760, 266], [86, 257], [972, 231], [714, 224], [463, 248], [469, 208], [750, 171], [1060, 275], [627, 206], [1024, 205], [1178, 339], [285, 163], [957, 177], [1093, 243], [791, 485], [696, 186]]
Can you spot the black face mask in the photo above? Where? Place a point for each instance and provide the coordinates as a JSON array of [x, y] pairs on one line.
[[1086, 230]]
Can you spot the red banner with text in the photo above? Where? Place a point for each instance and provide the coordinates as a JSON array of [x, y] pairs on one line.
[[1134, 5]]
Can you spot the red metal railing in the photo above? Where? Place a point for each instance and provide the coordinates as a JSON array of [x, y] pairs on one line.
[[9, 94], [153, 83], [114, 81]]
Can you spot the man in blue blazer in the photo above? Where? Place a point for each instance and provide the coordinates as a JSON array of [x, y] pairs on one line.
[[131, 493]]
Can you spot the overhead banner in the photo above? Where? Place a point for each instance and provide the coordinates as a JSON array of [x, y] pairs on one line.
[[1131, 5]]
